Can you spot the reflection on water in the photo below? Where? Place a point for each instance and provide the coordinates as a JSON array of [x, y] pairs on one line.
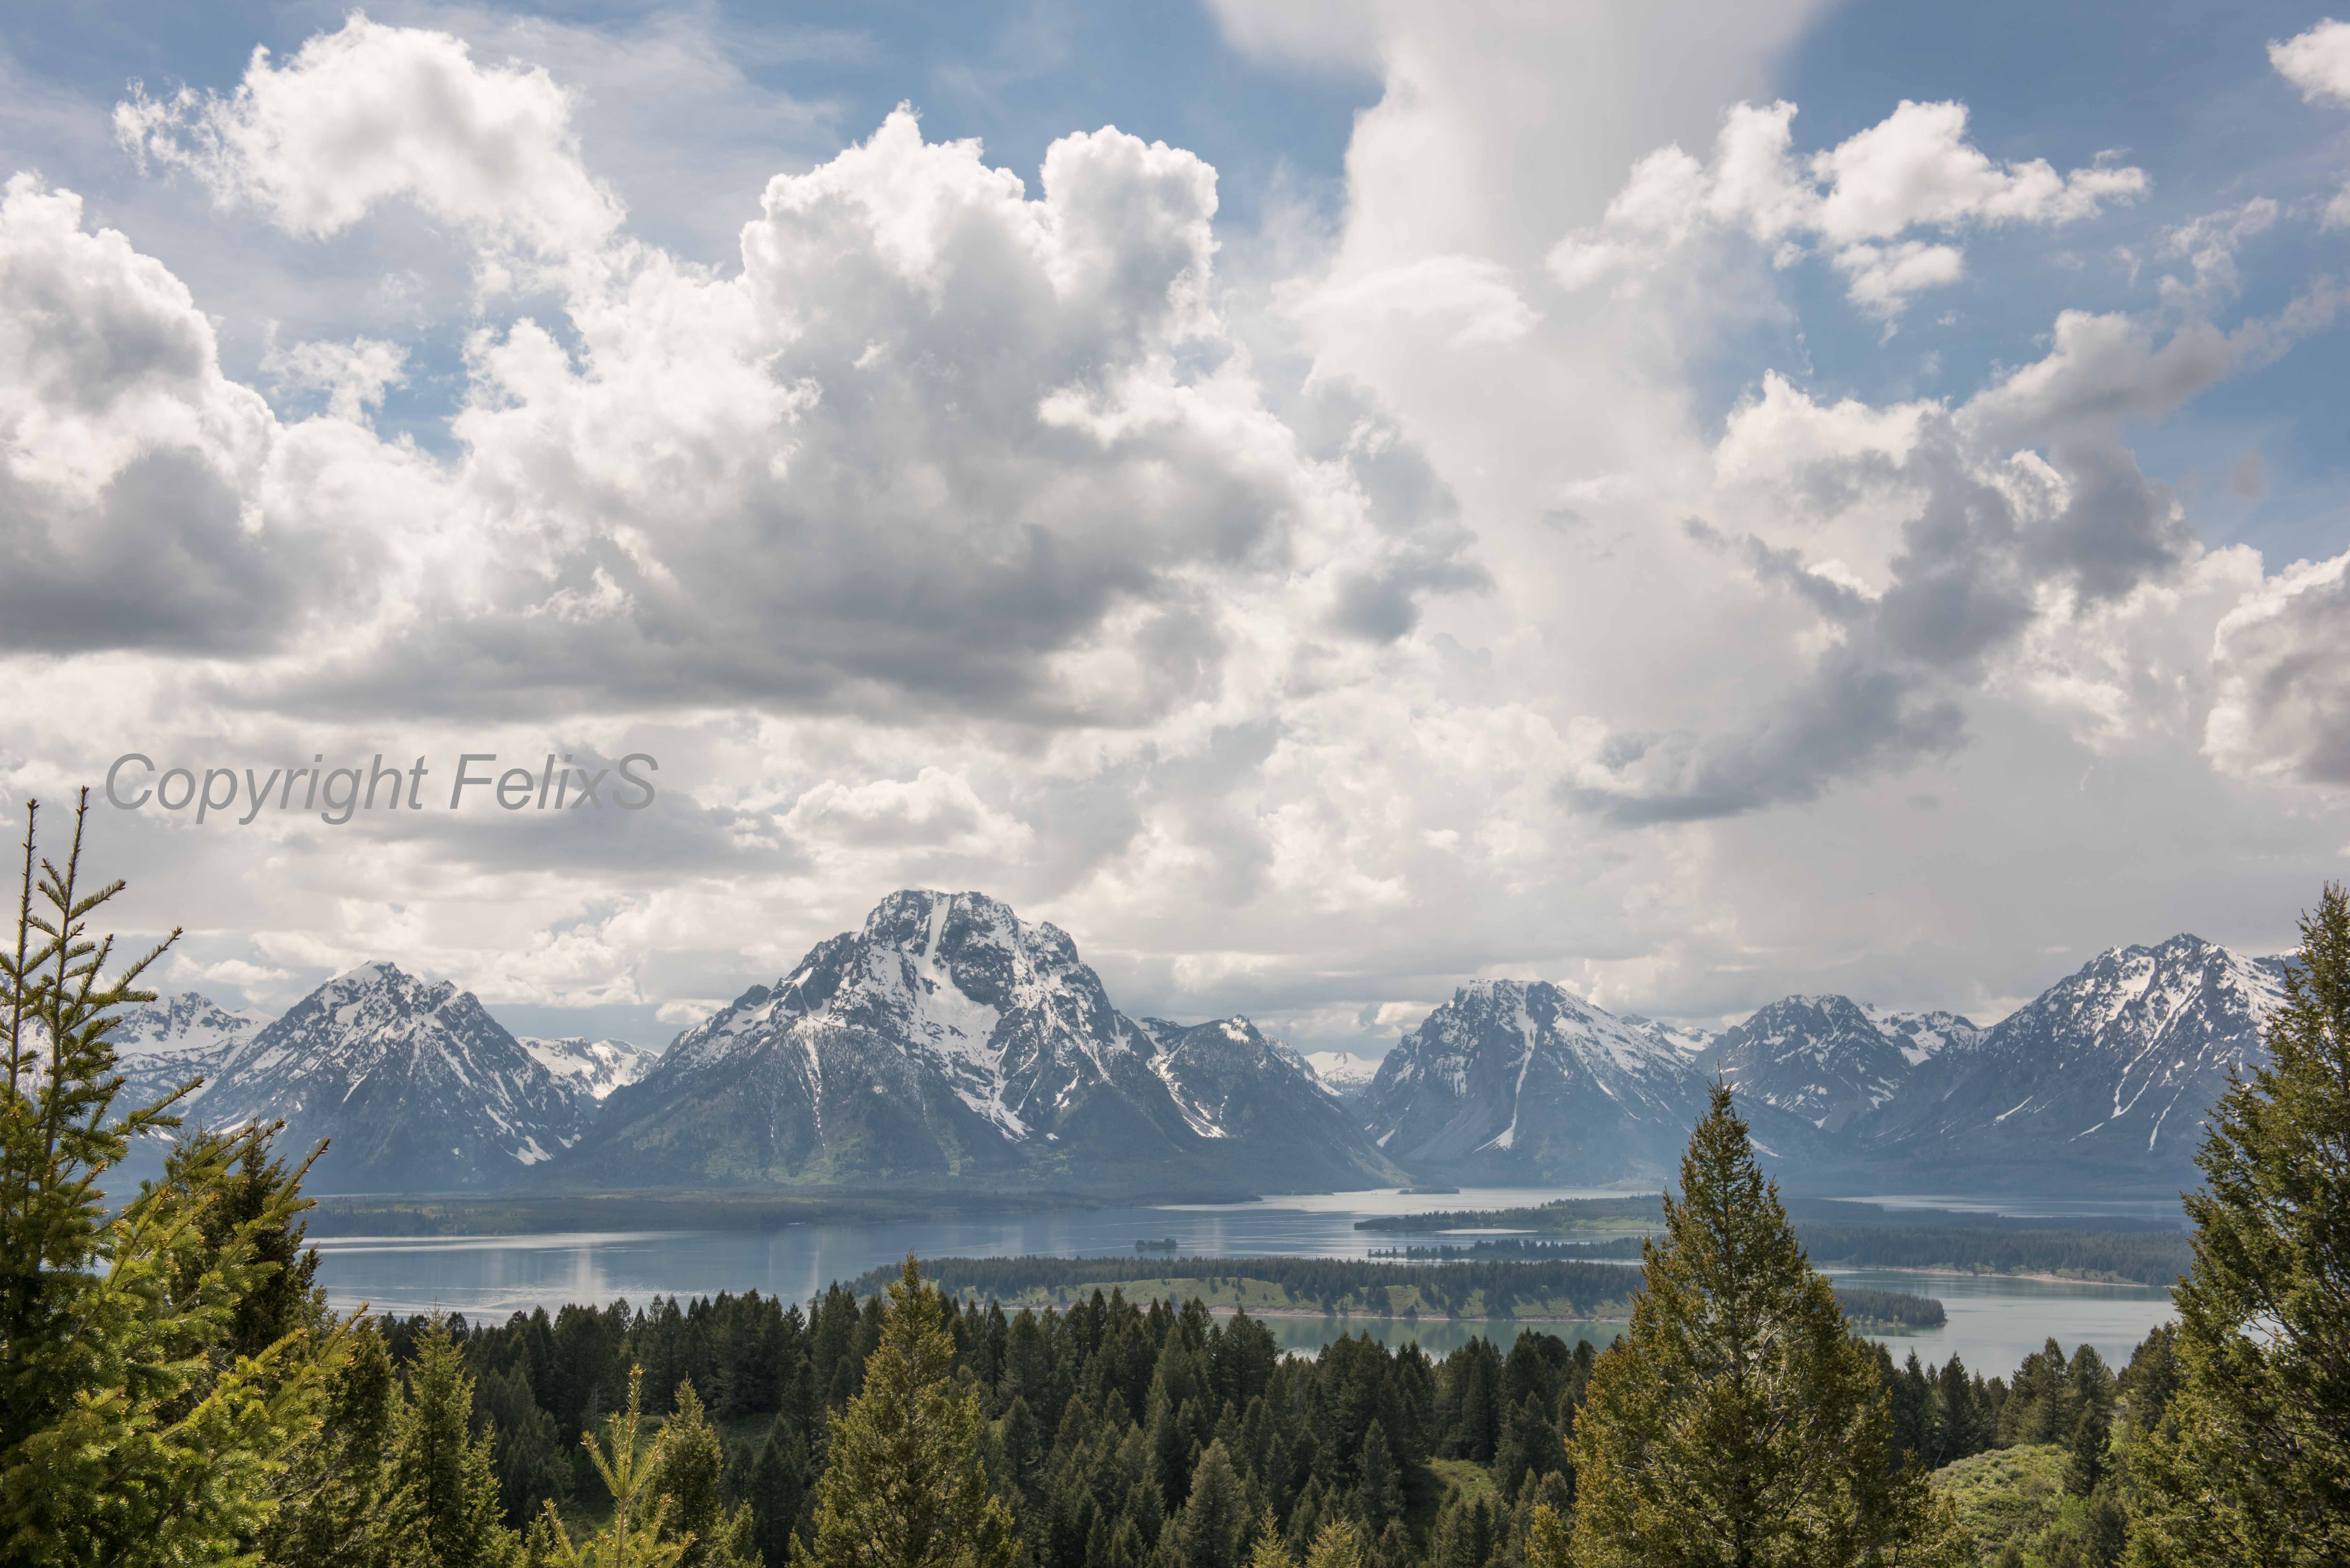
[[1993, 1322]]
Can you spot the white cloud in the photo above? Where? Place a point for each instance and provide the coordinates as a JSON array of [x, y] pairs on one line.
[[2283, 658], [353, 376], [371, 114], [1913, 169], [983, 532], [2318, 63], [2209, 245]]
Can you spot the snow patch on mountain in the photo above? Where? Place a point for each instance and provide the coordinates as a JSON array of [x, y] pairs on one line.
[[412, 1082], [160, 1044], [595, 1066]]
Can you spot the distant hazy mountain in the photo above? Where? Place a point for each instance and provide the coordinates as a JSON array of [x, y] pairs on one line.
[[1348, 1077], [160, 1044], [1828, 1059], [1685, 1039], [949, 1040], [595, 1066], [418, 1088], [1521, 1081], [2109, 1073]]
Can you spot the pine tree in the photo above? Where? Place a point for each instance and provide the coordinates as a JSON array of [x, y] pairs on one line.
[[778, 1484], [1547, 1540], [2086, 1466], [640, 1533], [2251, 1463], [688, 1462], [444, 1507], [1740, 1421], [1209, 1531], [906, 1484], [331, 1514], [526, 1446], [1270, 1550], [130, 1431], [1381, 1495], [1337, 1546]]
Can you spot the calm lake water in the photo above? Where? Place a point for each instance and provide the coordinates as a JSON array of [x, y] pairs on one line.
[[1993, 1322]]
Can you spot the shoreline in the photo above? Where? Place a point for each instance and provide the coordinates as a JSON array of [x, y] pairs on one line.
[[1959, 1273]]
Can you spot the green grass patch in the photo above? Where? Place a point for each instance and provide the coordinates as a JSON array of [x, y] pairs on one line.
[[2007, 1492]]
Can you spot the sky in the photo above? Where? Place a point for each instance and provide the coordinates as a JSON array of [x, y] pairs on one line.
[[1322, 499]]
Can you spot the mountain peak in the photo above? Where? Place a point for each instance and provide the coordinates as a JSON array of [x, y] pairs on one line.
[[413, 1080], [946, 1036]]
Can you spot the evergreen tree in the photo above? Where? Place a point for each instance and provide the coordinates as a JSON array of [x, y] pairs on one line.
[[1337, 1546], [1740, 1421], [905, 1485], [1269, 1550], [2086, 1466], [778, 1486], [444, 1506], [131, 1429], [524, 1448], [640, 1535], [1381, 1496], [1209, 1531], [2251, 1465], [1548, 1542], [331, 1490], [688, 1461]]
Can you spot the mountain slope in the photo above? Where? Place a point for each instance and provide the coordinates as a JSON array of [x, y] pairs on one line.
[[1829, 1060], [949, 1040], [2108, 1072], [1515, 1080], [160, 1044], [595, 1067], [1346, 1076], [418, 1088]]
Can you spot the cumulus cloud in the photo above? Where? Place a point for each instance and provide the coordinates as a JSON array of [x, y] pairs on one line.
[[131, 489], [938, 444], [2318, 63], [369, 114], [980, 531], [1857, 201], [1932, 548], [2282, 659]]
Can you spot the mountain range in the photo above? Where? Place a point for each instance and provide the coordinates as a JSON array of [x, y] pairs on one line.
[[948, 1042]]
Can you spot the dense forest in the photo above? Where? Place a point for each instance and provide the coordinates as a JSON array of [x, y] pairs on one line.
[[1100, 1418], [2143, 1258]]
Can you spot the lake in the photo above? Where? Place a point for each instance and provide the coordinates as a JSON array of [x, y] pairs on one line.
[[1993, 1321]]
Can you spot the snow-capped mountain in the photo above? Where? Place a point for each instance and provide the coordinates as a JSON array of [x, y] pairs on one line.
[[2111, 1069], [595, 1066], [160, 1044], [1347, 1076], [1231, 1083], [1686, 1039], [418, 1088], [950, 1039], [1522, 1080], [1828, 1059]]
